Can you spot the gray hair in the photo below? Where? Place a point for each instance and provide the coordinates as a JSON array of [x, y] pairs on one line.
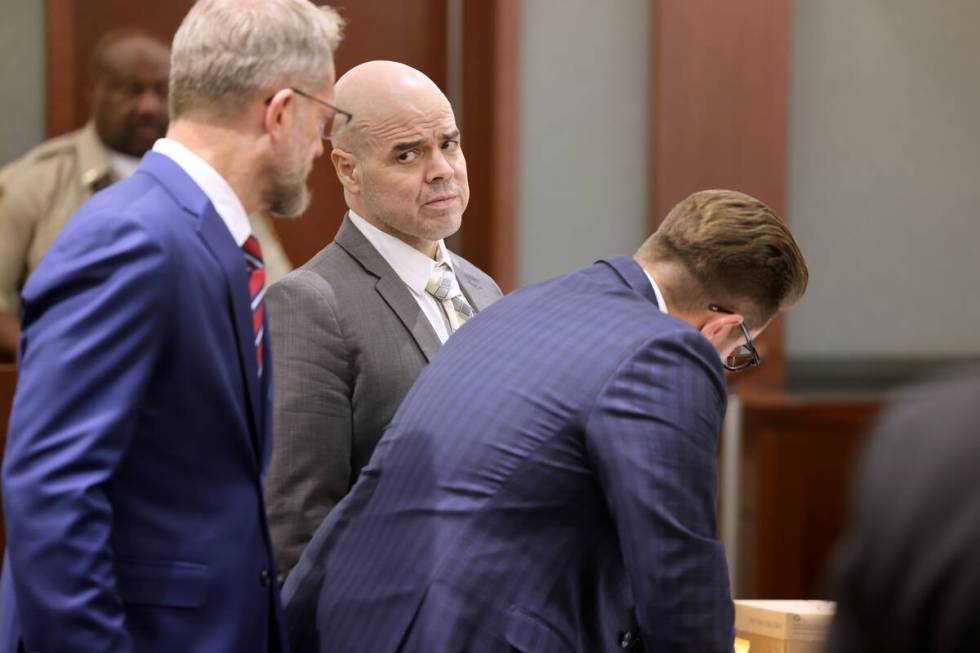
[[227, 51]]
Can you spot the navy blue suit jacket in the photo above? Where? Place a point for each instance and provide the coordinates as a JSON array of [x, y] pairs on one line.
[[140, 429], [548, 485]]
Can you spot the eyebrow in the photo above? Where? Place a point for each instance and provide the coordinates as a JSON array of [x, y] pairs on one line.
[[405, 147], [411, 145]]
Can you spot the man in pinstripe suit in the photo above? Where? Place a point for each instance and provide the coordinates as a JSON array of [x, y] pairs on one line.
[[549, 483]]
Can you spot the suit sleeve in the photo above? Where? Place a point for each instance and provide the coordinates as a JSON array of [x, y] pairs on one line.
[[93, 328], [310, 470], [652, 435]]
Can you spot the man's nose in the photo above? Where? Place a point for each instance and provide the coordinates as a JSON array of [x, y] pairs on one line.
[[439, 167], [151, 103]]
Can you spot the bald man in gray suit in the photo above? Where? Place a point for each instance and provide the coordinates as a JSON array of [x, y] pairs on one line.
[[353, 328]]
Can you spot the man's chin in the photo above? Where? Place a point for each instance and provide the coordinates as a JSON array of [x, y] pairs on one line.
[[135, 149], [141, 143], [291, 209], [289, 212], [444, 227]]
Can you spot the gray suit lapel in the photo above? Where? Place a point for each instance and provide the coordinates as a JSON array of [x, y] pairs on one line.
[[474, 288], [390, 286]]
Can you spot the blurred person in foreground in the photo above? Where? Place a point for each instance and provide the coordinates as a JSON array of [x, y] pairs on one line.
[[43, 188], [353, 328], [549, 483], [140, 426], [907, 573]]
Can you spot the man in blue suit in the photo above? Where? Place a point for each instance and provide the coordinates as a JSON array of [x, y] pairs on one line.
[[140, 428], [549, 483]]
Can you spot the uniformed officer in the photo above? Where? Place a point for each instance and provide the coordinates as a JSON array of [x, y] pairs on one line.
[[42, 189]]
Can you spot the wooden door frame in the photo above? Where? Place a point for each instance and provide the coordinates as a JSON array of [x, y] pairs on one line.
[[719, 99]]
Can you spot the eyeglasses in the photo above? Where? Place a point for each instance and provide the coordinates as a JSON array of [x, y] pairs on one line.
[[746, 355], [345, 117]]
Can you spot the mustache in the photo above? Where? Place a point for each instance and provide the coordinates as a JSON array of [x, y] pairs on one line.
[[450, 188], [147, 121]]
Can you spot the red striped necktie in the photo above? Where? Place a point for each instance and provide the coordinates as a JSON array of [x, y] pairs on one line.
[[256, 291]]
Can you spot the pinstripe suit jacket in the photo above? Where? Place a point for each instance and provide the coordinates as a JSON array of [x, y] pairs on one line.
[[138, 437], [548, 485]]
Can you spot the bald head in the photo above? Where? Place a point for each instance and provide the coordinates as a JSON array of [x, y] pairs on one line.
[[129, 101], [400, 159], [381, 93]]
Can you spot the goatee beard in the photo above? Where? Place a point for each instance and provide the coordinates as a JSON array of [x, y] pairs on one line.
[[287, 196]]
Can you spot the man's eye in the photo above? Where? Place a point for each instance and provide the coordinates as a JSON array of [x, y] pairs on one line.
[[450, 146], [407, 157]]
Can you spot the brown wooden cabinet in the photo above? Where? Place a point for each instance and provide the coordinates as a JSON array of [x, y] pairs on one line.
[[787, 465]]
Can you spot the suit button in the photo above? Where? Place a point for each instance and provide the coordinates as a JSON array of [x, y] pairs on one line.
[[625, 639], [264, 577]]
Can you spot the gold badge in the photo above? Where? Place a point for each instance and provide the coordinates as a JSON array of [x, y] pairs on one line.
[[1, 191], [90, 176]]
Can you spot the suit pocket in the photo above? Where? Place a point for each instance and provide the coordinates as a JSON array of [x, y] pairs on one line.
[[167, 583]]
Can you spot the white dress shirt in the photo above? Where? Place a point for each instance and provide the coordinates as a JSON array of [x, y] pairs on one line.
[[413, 268], [225, 202], [656, 291]]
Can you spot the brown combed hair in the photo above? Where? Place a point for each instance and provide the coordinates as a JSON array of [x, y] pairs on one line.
[[735, 249]]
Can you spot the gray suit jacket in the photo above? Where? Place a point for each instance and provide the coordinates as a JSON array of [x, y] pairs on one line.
[[348, 340]]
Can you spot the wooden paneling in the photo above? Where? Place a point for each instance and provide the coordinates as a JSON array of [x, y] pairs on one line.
[[796, 461], [8, 382], [410, 31], [74, 28], [491, 38], [720, 96]]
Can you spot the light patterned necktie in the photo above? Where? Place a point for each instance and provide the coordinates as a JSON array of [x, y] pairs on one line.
[[256, 292], [454, 305]]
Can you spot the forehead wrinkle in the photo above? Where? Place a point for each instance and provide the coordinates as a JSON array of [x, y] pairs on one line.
[[400, 128]]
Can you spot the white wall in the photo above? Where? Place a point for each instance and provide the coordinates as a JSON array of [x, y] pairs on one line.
[[884, 189], [583, 133], [22, 92]]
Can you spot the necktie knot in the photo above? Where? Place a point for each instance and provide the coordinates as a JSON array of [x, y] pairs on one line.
[[253, 252], [440, 282], [441, 286]]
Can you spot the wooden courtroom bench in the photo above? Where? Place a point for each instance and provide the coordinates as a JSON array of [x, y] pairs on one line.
[[786, 468]]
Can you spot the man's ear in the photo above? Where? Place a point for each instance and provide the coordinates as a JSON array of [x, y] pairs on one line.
[[717, 328], [275, 117], [348, 171]]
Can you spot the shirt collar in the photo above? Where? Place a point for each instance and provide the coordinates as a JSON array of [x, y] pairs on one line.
[[123, 165], [412, 266], [225, 202], [656, 291]]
